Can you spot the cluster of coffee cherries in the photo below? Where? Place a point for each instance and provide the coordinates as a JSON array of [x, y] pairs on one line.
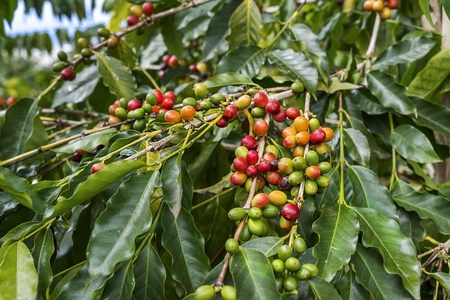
[[168, 61], [139, 11], [208, 292], [383, 7], [7, 102]]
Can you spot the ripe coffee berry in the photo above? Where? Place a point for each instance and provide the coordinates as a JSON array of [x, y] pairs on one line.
[[273, 107], [280, 116], [223, 122], [134, 104], [147, 8], [132, 20], [230, 112], [290, 211], [167, 103], [261, 127], [249, 142], [264, 166], [252, 157], [292, 113], [238, 178], [318, 136], [96, 167], [260, 99], [240, 164], [251, 171], [68, 74]]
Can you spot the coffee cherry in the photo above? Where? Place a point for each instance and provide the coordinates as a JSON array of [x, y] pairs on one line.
[[230, 112], [324, 167], [273, 177], [249, 142], [121, 113], [138, 113], [392, 4], [257, 227], [236, 214], [318, 136], [240, 164], [312, 269], [103, 32], [278, 266], [301, 124], [273, 107], [134, 104], [62, 56], [147, 8], [299, 245], [290, 284], [283, 184], [228, 292], [68, 74], [173, 61], [167, 103], [132, 20], [299, 163], [385, 13], [280, 116], [136, 10], [368, 5], [258, 112], [59, 66], [312, 158], [295, 178], [241, 151], [200, 90], [231, 246], [113, 120], [292, 264], [285, 165], [312, 172], [217, 99], [285, 224], [277, 197], [243, 102], [245, 234], [139, 125], [260, 200], [303, 273], [260, 99], [272, 149], [310, 187], [86, 52], [322, 148], [96, 167], [292, 113], [297, 87], [206, 105], [263, 166], [260, 184], [270, 211], [172, 116], [255, 213], [238, 178], [298, 151], [290, 211], [251, 171], [322, 181], [302, 138], [314, 124], [223, 122], [113, 41], [378, 5], [190, 101], [329, 133], [287, 131], [205, 292], [82, 43], [284, 252], [289, 142], [261, 127]]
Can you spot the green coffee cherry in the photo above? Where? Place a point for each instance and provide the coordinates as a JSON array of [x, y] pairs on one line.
[[284, 252], [299, 245], [278, 266], [62, 56], [205, 292], [236, 214], [231, 246]]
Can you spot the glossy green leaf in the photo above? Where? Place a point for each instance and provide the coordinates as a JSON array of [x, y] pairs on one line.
[[443, 278], [429, 79], [116, 76], [121, 284], [246, 60], [369, 192], [89, 142], [184, 242], [94, 184], [21, 190], [322, 289], [337, 85], [357, 146], [244, 24], [350, 289], [266, 245], [112, 243], [149, 274], [398, 251], [411, 225], [226, 79], [390, 93], [297, 66], [425, 7], [18, 276], [124, 53], [306, 221], [426, 205], [338, 229], [172, 37], [371, 274], [43, 250], [406, 51], [78, 90], [177, 185], [431, 116], [217, 223], [22, 129], [412, 144], [253, 275]]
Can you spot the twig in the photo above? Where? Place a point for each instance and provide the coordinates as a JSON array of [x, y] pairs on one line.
[[373, 38]]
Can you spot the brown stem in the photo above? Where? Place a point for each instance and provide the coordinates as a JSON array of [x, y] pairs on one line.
[[373, 39]]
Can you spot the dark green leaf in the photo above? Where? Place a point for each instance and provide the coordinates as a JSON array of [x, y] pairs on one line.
[[226, 79], [322, 289], [446, 6], [371, 274], [297, 66], [95, 184], [244, 24], [253, 275], [42, 252], [426, 205], [266, 245], [183, 241], [369, 192], [398, 251], [406, 51], [411, 225], [172, 37], [246, 60], [78, 90], [124, 53], [332, 191], [443, 278], [357, 146], [177, 185], [116, 76], [88, 142], [112, 243], [121, 285], [425, 7], [21, 190], [18, 277], [338, 230], [432, 115], [412, 144], [350, 289], [390, 93]]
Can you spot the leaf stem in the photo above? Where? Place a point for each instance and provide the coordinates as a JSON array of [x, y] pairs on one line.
[[341, 199], [149, 78], [373, 38], [394, 175], [70, 269]]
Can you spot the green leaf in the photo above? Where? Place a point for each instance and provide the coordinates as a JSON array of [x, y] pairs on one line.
[[22, 129], [412, 144], [432, 115], [78, 90], [322, 289], [42, 252], [244, 24], [116, 76], [429, 79], [398, 251], [337, 85], [124, 53], [21, 190], [150, 275], [297, 66], [350, 289], [172, 37], [253, 275], [18, 277], [390, 93], [121, 285], [332, 191], [406, 51], [426, 205], [94, 184], [226, 79], [177, 185], [266, 245], [338, 230], [113, 242], [443, 278], [184, 242], [246, 60], [89, 142], [446, 6], [411, 225], [425, 7], [369, 192], [357, 146], [371, 274]]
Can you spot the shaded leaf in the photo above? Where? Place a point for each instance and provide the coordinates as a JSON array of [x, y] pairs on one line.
[[337, 85], [88, 142], [350, 289], [426, 205], [253, 275], [121, 285], [432, 115], [323, 289], [116, 76], [186, 246], [42, 252], [113, 242], [172, 37], [390, 93], [149, 274], [425, 7], [411, 225], [124, 53], [18, 276], [338, 230], [371, 275], [226, 79], [266, 245], [246, 60], [412, 144], [297, 66], [357, 146], [398, 251], [244, 24], [369, 192], [443, 278]]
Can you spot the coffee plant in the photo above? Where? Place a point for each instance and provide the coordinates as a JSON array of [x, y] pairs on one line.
[[225, 149]]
